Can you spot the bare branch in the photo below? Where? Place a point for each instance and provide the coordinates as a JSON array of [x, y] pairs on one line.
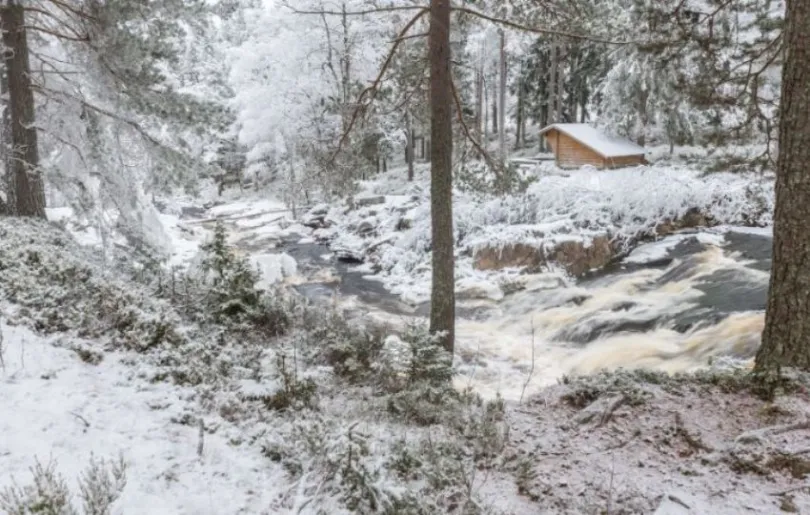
[[467, 134], [374, 87], [363, 12], [537, 30], [81, 38]]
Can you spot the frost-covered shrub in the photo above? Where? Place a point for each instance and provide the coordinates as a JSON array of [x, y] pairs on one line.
[[230, 294], [48, 494], [58, 286], [351, 349], [418, 376], [294, 391], [477, 177]]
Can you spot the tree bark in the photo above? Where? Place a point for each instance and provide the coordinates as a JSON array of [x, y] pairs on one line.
[[409, 146], [786, 337], [27, 186], [553, 71], [442, 298], [479, 98], [5, 133], [502, 99]]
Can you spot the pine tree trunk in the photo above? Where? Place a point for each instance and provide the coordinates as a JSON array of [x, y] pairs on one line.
[[410, 149], [502, 100], [479, 100], [553, 70], [786, 337], [5, 133], [495, 118], [442, 298], [26, 179], [560, 83]]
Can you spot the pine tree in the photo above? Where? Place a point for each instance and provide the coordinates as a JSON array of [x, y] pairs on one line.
[[786, 337]]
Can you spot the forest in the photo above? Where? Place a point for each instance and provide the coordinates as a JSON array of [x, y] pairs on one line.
[[404, 256]]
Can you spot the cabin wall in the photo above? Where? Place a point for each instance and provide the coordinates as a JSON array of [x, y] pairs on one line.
[[620, 162], [569, 153]]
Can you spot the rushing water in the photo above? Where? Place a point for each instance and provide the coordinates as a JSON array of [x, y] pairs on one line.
[[680, 304], [696, 300]]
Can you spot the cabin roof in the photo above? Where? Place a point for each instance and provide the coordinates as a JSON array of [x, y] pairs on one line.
[[601, 143]]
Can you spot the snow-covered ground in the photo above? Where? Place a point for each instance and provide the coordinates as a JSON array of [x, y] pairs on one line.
[[57, 408]]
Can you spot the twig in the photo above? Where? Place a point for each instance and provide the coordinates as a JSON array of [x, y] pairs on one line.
[[696, 442], [201, 440], [610, 486], [790, 490], [531, 370], [82, 419]]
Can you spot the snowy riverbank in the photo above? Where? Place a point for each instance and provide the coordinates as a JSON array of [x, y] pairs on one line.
[[550, 227]]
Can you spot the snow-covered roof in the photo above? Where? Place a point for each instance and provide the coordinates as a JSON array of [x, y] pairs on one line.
[[601, 143]]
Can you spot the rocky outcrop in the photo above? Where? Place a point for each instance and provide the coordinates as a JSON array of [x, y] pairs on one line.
[[690, 220], [518, 255], [576, 257]]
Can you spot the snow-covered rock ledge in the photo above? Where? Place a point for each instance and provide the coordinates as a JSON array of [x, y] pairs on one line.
[[569, 223]]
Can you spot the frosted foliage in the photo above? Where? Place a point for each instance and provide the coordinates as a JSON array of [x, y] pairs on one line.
[[128, 115], [622, 204]]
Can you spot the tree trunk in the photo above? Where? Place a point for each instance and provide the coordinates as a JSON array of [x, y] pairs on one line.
[[495, 117], [502, 100], [409, 146], [560, 82], [28, 189], [442, 298], [786, 337], [553, 71], [5, 133], [519, 114], [479, 99]]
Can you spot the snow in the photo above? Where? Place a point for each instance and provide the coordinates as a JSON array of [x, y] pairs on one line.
[[656, 251], [604, 144], [55, 407], [274, 268]]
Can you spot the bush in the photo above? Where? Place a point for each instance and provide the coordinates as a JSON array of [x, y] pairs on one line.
[[48, 494]]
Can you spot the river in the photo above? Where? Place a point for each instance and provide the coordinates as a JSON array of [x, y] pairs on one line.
[[686, 302]]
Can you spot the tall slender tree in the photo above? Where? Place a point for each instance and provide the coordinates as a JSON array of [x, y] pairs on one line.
[[786, 338], [443, 299], [27, 193]]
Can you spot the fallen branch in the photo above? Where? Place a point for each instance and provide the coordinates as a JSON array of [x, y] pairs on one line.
[[694, 441], [602, 408], [757, 435]]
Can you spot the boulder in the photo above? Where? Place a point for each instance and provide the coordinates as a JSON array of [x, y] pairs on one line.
[[690, 220], [576, 257], [369, 201], [579, 258], [517, 255]]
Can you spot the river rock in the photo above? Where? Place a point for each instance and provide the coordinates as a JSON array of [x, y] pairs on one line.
[[690, 220], [578, 257], [366, 227], [369, 201], [516, 255]]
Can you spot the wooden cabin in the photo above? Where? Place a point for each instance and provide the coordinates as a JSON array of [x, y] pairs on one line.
[[578, 144]]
